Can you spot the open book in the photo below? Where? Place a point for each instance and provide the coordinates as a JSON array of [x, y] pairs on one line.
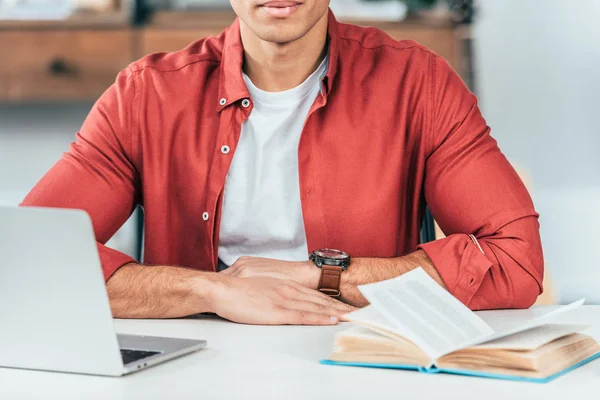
[[413, 323]]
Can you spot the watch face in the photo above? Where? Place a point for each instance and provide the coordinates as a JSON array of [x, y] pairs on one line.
[[332, 254]]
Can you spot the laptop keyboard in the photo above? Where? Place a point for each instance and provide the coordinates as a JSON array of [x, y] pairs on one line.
[[134, 355]]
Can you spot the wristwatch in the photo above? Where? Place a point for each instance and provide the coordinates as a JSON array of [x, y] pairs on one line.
[[332, 263]]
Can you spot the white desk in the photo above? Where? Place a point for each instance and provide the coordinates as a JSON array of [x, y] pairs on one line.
[[250, 362]]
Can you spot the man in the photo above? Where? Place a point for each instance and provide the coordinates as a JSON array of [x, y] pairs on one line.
[[291, 133]]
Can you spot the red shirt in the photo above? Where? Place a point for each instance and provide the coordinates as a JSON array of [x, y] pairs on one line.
[[393, 129]]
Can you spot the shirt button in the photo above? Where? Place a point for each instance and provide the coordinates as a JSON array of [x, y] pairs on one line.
[[205, 216], [223, 101], [245, 103], [225, 149]]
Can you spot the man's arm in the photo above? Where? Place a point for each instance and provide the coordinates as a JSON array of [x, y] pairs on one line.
[[362, 271], [139, 291], [369, 270], [471, 189], [492, 255], [98, 174]]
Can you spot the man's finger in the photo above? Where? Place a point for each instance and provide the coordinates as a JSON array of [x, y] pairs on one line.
[[296, 317], [302, 302], [329, 302], [318, 297], [228, 271], [338, 305]]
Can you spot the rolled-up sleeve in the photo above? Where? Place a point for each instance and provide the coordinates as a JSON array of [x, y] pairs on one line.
[[98, 173], [472, 189]]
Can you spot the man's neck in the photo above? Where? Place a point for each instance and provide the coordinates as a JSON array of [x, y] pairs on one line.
[[274, 67]]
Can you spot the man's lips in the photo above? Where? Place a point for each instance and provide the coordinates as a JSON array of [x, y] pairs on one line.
[[280, 9]]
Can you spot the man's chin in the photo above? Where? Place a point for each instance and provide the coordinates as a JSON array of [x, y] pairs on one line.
[[279, 36]]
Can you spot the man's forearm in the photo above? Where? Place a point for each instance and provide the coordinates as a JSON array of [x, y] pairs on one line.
[[369, 270], [138, 291]]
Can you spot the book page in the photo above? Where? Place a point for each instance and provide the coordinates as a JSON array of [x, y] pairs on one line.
[[425, 313], [371, 345], [508, 322], [369, 316], [533, 338]]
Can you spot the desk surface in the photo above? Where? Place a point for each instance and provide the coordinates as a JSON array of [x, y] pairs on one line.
[[252, 362]]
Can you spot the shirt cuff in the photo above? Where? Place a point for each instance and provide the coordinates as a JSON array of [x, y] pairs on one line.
[[460, 263], [112, 260]]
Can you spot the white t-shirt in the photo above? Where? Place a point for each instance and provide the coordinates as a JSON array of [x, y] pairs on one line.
[[262, 213]]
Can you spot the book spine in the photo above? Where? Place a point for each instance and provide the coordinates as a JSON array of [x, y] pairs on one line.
[[432, 369]]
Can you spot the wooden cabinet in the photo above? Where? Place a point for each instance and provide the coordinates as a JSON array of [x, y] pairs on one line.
[[157, 39], [71, 61], [154, 40], [57, 64], [172, 31], [441, 39]]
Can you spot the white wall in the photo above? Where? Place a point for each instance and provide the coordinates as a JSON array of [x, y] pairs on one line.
[[538, 79], [32, 139]]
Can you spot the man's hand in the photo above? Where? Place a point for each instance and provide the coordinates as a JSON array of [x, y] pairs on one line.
[[270, 301], [303, 272]]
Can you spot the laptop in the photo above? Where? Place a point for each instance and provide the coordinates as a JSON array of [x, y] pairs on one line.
[[54, 309]]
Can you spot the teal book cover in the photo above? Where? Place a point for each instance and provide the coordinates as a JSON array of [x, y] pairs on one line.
[[464, 372]]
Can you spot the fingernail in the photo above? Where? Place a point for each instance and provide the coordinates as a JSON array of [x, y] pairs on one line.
[[335, 320]]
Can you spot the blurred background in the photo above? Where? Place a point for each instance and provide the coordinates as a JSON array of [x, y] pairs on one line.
[[534, 64]]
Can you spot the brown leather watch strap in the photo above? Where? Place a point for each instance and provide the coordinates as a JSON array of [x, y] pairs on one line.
[[331, 277]]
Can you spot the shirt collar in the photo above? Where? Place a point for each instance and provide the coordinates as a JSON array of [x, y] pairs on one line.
[[232, 87]]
